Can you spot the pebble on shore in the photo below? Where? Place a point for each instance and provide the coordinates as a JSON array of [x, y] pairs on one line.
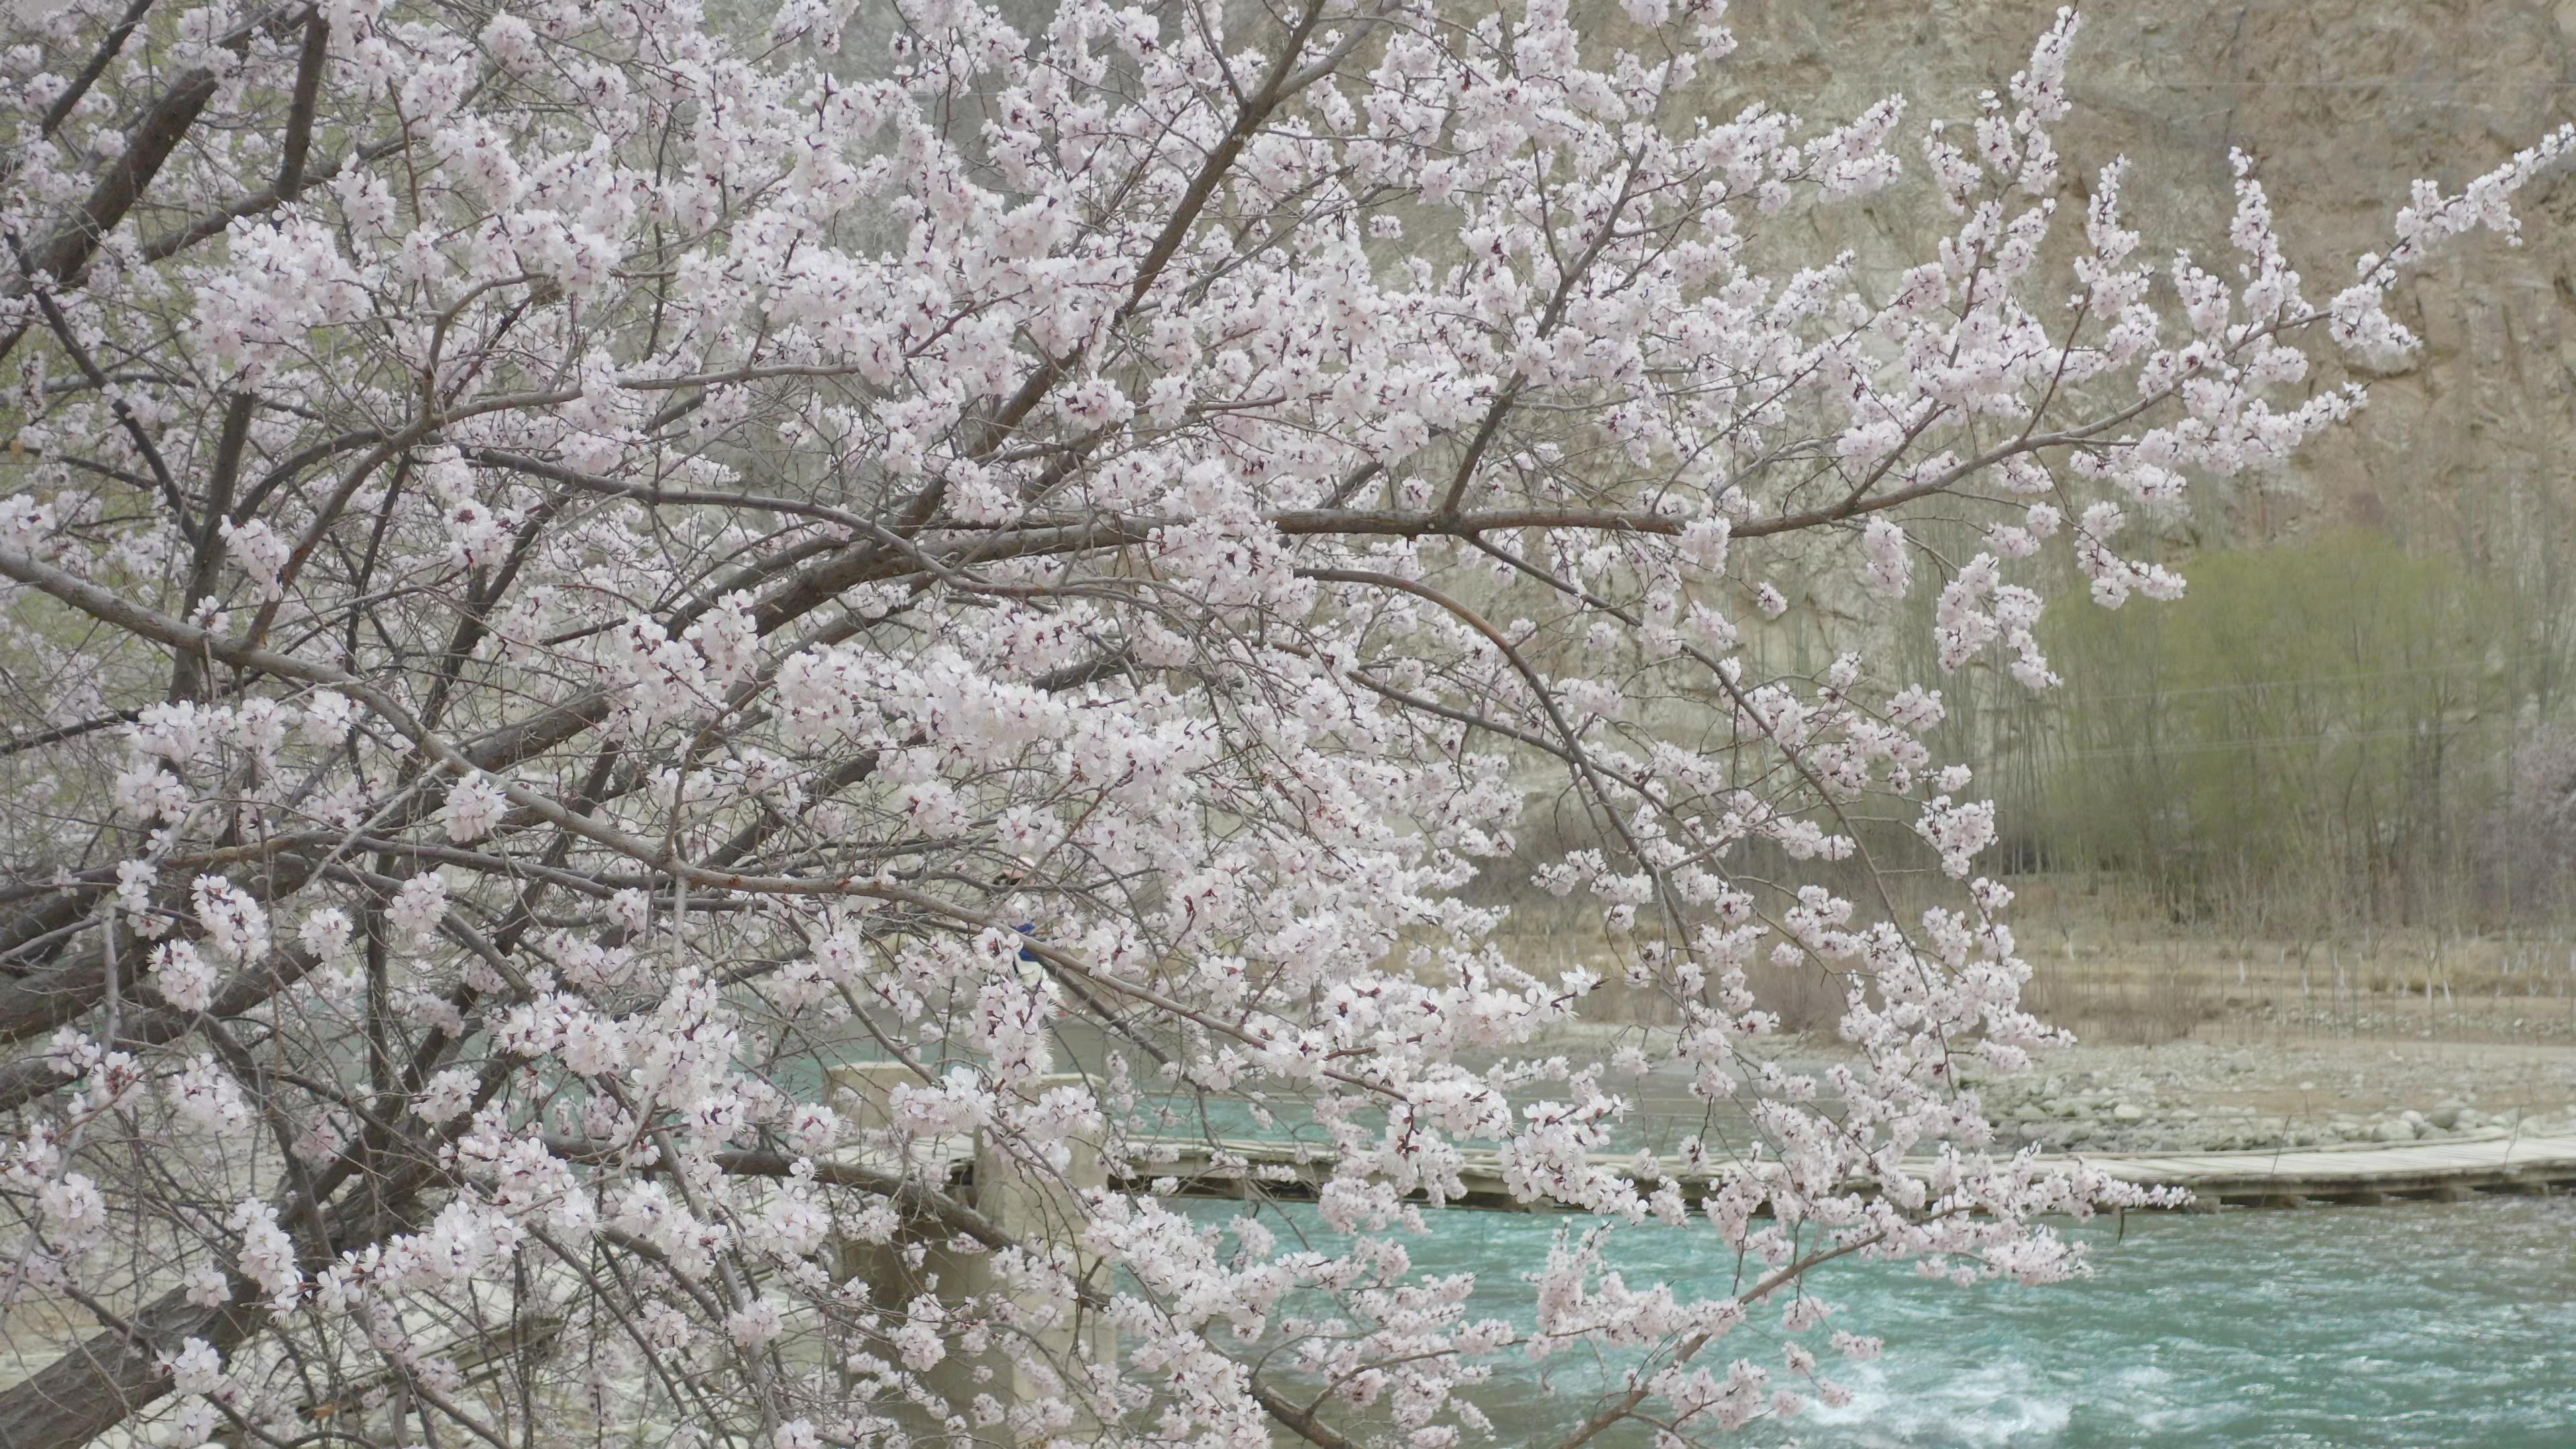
[[2127, 1112]]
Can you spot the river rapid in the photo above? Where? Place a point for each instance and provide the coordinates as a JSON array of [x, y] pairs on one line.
[[2407, 1326]]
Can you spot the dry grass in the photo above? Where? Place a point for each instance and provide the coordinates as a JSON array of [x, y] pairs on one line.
[[2111, 969], [2131, 987]]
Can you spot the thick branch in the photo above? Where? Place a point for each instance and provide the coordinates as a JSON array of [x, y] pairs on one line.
[[108, 49], [97, 1384]]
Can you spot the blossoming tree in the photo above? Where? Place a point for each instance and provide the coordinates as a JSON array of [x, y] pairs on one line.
[[567, 561]]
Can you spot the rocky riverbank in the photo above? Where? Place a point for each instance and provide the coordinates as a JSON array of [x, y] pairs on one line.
[[2211, 1097], [2204, 1095]]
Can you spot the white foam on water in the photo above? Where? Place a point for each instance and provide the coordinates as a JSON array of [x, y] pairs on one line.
[[1992, 1406]]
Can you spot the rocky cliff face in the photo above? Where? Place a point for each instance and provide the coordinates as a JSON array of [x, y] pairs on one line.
[[2343, 103]]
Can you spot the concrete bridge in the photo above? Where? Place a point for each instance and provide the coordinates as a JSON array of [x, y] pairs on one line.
[[2496, 1161]]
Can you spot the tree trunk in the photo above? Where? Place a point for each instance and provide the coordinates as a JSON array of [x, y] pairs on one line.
[[98, 1384]]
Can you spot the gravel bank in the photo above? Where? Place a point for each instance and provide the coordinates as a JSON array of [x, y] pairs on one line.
[[2201, 1095], [2212, 1097]]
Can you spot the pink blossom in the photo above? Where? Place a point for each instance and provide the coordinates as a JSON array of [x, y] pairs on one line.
[[766, 591]]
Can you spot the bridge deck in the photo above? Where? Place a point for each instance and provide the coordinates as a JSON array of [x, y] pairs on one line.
[[2456, 1167], [2448, 1169]]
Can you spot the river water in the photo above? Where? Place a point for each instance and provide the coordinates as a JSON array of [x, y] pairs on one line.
[[2407, 1326]]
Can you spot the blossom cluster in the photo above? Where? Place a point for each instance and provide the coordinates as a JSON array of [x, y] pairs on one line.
[[567, 566]]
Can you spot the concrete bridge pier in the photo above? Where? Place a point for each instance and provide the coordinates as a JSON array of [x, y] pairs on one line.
[[1030, 1336]]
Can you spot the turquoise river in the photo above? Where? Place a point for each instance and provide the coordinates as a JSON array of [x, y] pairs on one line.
[[2401, 1327]]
